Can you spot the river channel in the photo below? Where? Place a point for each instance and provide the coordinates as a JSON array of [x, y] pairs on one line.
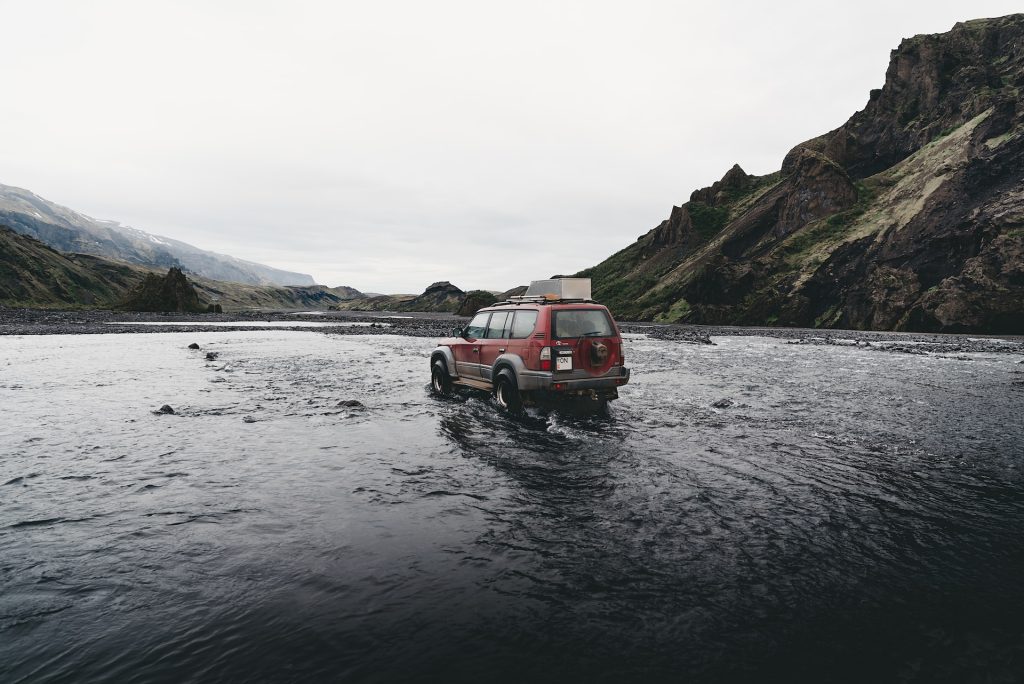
[[747, 511]]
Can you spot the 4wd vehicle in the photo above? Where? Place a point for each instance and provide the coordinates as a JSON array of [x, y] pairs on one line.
[[552, 343]]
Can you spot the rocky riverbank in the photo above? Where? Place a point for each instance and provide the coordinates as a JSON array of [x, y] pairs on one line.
[[94, 322], [91, 322]]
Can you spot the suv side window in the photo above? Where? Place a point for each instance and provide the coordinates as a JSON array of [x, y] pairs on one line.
[[477, 326], [523, 324], [496, 328]]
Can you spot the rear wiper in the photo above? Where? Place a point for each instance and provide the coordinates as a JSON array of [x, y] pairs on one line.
[[592, 333]]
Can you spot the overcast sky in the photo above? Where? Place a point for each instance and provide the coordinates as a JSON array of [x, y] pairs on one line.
[[386, 145]]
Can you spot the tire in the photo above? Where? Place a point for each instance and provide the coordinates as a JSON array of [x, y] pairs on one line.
[[440, 382], [506, 393]]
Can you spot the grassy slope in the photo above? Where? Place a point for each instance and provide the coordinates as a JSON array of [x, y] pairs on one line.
[[35, 275], [637, 286], [238, 296], [32, 274]]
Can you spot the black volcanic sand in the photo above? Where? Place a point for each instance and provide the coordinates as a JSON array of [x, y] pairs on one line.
[[53, 322]]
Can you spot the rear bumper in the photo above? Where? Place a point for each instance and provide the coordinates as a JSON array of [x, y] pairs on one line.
[[532, 381]]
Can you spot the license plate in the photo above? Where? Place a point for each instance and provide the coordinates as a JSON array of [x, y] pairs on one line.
[[563, 363]]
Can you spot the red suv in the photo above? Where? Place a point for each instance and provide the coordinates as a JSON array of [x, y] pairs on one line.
[[545, 344]]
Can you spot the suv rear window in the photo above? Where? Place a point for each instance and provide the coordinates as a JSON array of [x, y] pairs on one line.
[[572, 323]]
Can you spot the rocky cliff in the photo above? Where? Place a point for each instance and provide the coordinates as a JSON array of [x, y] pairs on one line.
[[910, 216]]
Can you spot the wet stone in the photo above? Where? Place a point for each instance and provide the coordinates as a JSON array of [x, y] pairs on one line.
[[164, 410], [193, 346]]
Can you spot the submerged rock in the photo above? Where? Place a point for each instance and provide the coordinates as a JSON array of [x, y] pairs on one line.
[[724, 403], [211, 356], [193, 346], [164, 410], [350, 403]]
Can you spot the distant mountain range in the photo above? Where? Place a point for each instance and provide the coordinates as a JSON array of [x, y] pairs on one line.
[[439, 297], [33, 274], [910, 216], [70, 231]]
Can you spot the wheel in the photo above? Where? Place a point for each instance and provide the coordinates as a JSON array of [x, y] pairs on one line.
[[506, 393], [440, 383]]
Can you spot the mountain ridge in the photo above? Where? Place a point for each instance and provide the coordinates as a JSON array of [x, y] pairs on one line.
[[909, 216], [74, 232]]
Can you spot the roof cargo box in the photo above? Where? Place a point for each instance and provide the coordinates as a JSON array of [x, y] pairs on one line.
[[560, 288]]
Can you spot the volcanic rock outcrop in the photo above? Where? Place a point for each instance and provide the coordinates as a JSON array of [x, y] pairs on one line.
[[910, 216], [173, 292]]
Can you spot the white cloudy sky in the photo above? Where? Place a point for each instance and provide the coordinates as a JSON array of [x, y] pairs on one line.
[[386, 145]]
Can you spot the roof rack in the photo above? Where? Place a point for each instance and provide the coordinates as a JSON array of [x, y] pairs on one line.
[[544, 299]]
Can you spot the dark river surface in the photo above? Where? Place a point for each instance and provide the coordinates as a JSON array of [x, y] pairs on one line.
[[853, 515]]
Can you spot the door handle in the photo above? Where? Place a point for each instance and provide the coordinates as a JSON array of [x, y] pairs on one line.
[[476, 350], [501, 351]]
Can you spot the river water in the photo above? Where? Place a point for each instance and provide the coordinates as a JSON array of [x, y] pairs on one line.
[[844, 515]]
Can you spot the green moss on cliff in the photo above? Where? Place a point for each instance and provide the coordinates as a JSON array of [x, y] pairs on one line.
[[707, 221], [677, 313], [625, 281], [833, 229]]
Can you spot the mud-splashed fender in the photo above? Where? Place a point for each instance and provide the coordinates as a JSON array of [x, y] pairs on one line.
[[444, 354], [511, 361]]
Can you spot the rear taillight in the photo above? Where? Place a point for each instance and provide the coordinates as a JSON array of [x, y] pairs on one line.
[[545, 358], [622, 354]]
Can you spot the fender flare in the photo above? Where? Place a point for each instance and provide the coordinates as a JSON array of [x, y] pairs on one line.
[[444, 354], [510, 361]]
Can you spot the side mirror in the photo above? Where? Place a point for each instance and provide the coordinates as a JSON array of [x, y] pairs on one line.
[[458, 332]]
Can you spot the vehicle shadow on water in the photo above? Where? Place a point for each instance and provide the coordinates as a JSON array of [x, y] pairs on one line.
[[545, 450], [478, 413]]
